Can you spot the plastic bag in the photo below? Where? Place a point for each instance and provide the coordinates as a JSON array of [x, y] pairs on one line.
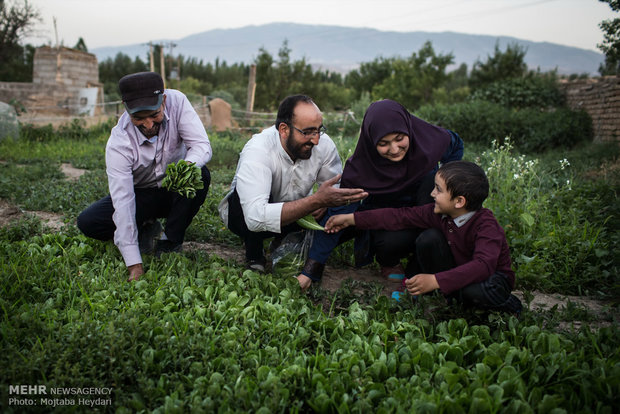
[[289, 257]]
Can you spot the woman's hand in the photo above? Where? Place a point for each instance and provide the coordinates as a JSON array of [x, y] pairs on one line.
[[304, 282], [319, 213], [338, 222]]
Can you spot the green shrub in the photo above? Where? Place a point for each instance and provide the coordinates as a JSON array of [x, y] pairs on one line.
[[24, 228], [226, 147], [530, 129], [76, 130], [556, 243], [529, 92], [36, 133]]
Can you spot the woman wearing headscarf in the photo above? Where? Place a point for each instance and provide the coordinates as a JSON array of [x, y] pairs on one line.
[[395, 161]]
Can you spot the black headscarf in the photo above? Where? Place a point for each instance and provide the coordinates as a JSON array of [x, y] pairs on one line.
[[377, 175]]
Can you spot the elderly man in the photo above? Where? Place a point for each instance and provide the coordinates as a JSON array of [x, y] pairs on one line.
[[159, 127], [277, 170]]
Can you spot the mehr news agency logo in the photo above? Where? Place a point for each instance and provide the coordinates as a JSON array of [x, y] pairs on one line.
[[41, 395]]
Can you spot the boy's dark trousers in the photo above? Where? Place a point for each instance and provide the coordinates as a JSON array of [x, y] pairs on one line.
[[151, 203], [434, 255], [253, 240]]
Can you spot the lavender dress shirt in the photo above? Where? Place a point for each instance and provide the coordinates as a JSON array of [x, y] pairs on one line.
[[134, 161]]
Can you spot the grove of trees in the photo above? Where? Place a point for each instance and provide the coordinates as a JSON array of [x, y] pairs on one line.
[[422, 78]]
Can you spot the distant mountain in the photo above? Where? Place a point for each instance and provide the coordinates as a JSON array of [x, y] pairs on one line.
[[344, 48]]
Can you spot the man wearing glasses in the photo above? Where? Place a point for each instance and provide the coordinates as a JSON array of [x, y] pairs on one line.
[[275, 176]]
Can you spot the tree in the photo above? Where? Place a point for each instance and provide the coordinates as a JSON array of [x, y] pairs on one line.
[[277, 79], [111, 70], [368, 75], [501, 66], [16, 22], [410, 81], [265, 79], [611, 42], [81, 45], [414, 80]]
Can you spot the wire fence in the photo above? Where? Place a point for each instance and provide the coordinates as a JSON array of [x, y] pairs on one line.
[[38, 114], [100, 112]]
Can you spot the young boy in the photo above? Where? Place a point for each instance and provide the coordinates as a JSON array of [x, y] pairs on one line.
[[464, 252]]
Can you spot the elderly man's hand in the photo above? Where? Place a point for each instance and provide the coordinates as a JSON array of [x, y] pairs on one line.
[[135, 271], [333, 196]]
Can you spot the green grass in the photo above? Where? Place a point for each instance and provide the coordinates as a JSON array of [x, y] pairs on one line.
[[200, 334]]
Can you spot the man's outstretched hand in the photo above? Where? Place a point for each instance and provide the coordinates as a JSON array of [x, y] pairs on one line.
[[331, 196]]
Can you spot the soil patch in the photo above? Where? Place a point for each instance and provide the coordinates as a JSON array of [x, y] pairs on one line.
[[10, 213], [223, 252], [71, 172]]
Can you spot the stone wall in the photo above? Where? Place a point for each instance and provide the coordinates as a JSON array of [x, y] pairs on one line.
[[600, 98]]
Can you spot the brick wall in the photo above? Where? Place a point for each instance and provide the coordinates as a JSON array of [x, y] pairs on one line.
[[600, 98], [48, 99], [58, 76]]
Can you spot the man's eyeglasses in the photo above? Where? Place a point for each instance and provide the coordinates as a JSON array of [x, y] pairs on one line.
[[310, 133]]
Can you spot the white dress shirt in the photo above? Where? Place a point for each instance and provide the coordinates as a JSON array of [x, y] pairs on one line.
[[134, 161], [265, 170]]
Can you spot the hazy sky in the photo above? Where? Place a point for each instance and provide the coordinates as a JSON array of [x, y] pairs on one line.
[[121, 22]]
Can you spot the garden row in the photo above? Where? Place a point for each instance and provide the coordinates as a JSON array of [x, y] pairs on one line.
[[198, 333]]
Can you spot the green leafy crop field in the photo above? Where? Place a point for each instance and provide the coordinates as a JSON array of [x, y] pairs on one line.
[[199, 333]]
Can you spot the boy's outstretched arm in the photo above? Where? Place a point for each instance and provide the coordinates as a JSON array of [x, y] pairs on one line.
[[339, 222], [422, 283]]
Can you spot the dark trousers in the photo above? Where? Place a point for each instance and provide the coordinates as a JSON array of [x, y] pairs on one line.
[[434, 255], [253, 240], [390, 247], [151, 203]]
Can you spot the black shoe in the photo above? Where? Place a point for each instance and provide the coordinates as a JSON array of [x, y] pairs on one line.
[[166, 246], [256, 265], [147, 234]]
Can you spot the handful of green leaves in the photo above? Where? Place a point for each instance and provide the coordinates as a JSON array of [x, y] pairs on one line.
[[309, 223], [184, 178]]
